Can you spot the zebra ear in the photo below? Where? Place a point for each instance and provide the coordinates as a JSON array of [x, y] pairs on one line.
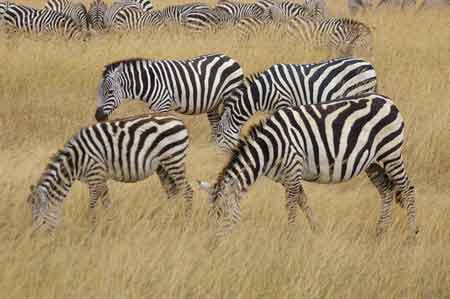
[[205, 186]]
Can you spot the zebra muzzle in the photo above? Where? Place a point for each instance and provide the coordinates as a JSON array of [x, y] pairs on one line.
[[100, 115]]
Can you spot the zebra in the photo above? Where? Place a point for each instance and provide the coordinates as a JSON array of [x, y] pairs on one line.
[[323, 143], [434, 4], [31, 20], [192, 86], [77, 11], [343, 34], [125, 150], [177, 14], [126, 14], [239, 10], [96, 14], [286, 85]]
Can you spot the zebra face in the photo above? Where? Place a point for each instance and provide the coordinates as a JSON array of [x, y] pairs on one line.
[[39, 206], [111, 94]]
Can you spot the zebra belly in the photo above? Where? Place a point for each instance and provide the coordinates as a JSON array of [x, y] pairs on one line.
[[131, 174], [332, 172]]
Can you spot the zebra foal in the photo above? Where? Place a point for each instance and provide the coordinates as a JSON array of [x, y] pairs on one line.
[[322, 143], [192, 86], [127, 150]]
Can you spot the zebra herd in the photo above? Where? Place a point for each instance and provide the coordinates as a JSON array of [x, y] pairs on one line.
[[328, 125], [308, 23]]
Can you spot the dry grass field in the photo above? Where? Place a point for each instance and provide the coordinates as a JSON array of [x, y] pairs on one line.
[[142, 248]]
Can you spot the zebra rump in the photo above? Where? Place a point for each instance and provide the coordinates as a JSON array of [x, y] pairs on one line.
[[125, 150], [291, 85], [322, 143]]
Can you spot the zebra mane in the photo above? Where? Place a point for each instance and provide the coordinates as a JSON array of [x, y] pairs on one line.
[[50, 165], [112, 66], [352, 22], [236, 151], [250, 79]]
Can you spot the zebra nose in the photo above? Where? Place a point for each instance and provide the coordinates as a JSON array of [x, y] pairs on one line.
[[100, 115]]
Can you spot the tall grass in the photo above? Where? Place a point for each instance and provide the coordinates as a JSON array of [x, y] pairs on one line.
[[142, 248]]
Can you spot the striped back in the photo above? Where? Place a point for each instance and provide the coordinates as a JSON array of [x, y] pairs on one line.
[[126, 150], [292, 85], [191, 86], [239, 10], [75, 10]]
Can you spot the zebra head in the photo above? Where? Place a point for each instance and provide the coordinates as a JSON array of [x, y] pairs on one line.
[[41, 212], [95, 15], [111, 91], [222, 198]]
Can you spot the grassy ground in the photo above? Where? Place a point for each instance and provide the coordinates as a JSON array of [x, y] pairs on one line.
[[141, 247]]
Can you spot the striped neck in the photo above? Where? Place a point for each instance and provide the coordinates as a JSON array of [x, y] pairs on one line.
[[243, 169], [59, 175], [259, 95]]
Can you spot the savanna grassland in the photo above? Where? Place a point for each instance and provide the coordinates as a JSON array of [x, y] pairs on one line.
[[142, 248]]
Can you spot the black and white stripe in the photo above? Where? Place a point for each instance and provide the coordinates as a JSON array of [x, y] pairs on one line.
[[127, 150], [127, 14], [239, 10], [192, 86], [342, 34], [28, 19], [322, 143], [74, 10], [96, 14], [287, 85]]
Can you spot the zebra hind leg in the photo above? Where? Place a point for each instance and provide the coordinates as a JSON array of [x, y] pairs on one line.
[[395, 170], [175, 183], [384, 187]]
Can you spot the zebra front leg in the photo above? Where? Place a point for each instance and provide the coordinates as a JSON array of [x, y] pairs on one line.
[[97, 190], [213, 118]]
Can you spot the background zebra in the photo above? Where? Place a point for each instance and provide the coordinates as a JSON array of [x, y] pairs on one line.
[[96, 14], [74, 10], [126, 15], [354, 6], [239, 10], [322, 143], [127, 150], [343, 34], [28, 19], [286, 85], [192, 86]]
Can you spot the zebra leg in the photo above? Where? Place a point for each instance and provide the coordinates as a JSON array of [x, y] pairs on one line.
[[302, 201], [213, 118], [97, 189], [379, 178], [173, 183], [395, 169]]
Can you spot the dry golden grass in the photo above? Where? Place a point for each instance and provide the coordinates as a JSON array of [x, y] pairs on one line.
[[139, 248]]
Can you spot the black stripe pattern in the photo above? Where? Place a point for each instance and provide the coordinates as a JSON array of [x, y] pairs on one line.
[[322, 143], [127, 150], [292, 85], [192, 86]]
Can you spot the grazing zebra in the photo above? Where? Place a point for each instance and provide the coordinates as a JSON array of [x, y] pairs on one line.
[[239, 10], [287, 85], [126, 14], [342, 34], [127, 150], [75, 10], [176, 14], [192, 86], [96, 14], [322, 143], [28, 19]]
